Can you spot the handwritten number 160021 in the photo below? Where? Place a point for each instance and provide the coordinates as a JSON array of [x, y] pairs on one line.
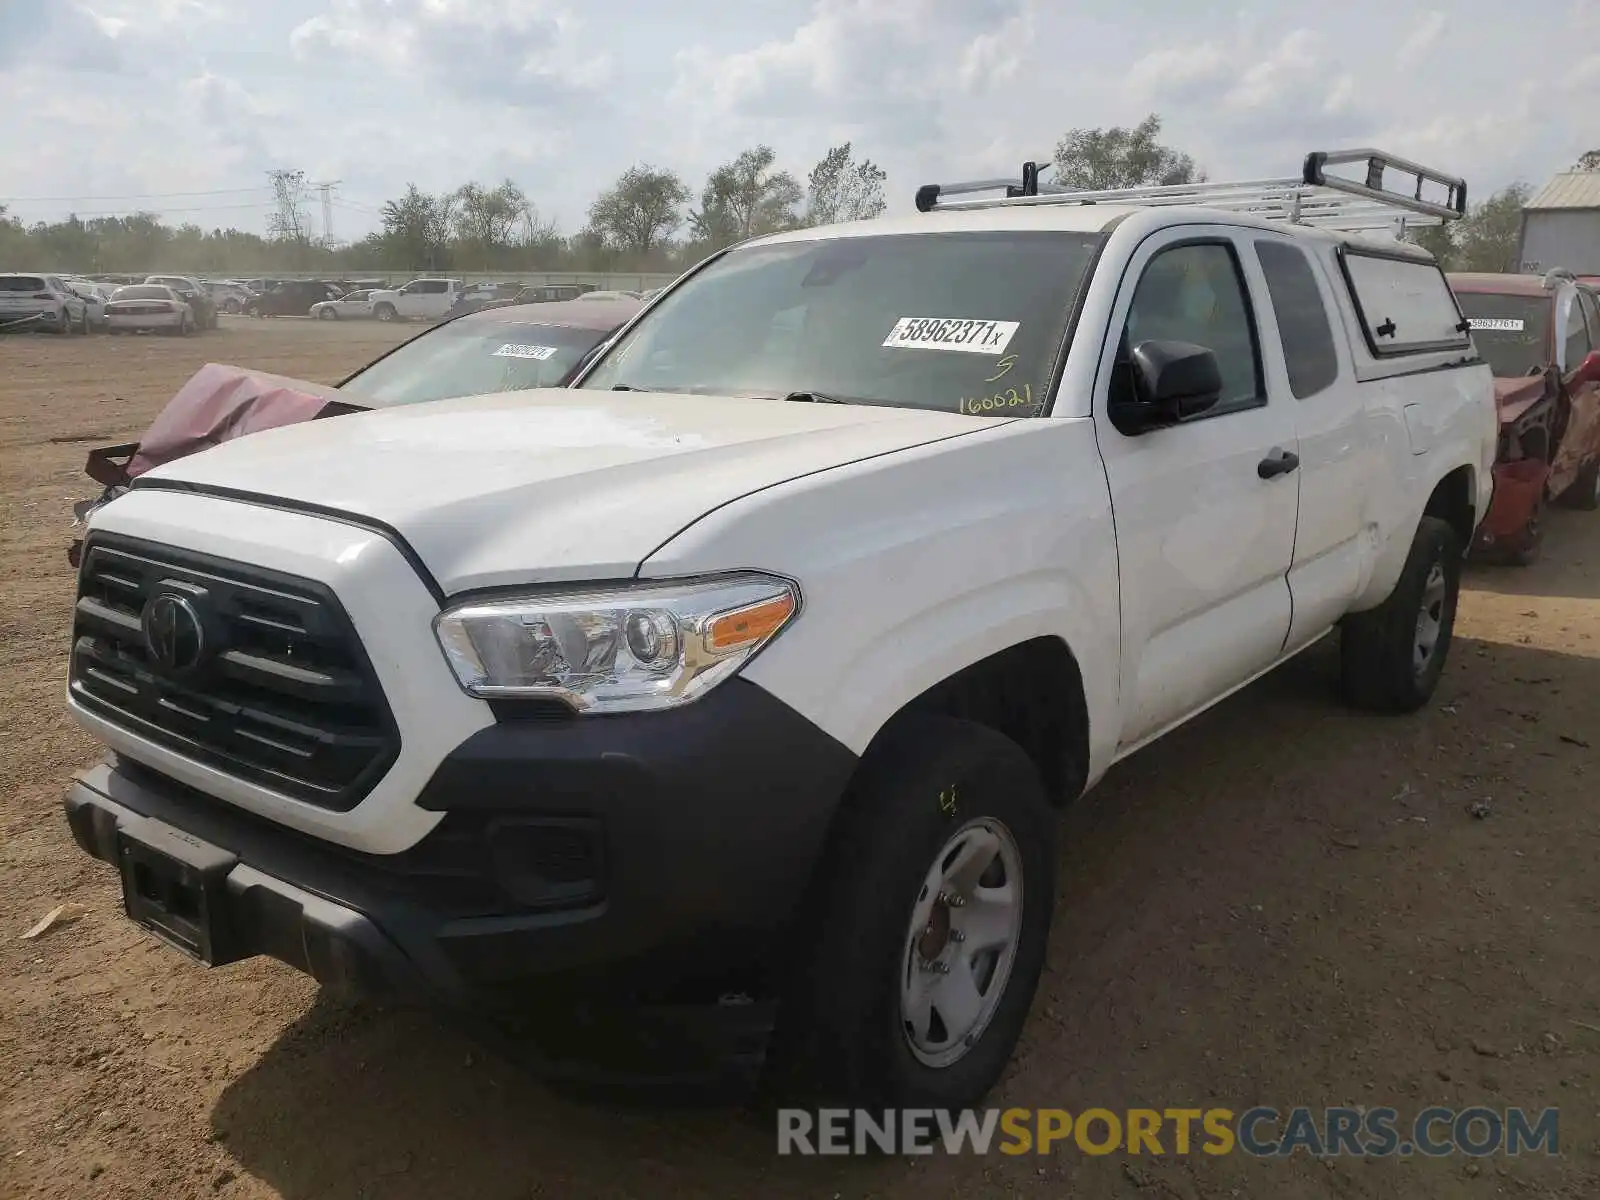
[[1001, 401]]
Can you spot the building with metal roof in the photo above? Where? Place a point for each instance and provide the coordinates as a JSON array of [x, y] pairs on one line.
[[1561, 225]]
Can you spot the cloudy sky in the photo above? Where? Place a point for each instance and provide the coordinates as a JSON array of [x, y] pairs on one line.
[[182, 106]]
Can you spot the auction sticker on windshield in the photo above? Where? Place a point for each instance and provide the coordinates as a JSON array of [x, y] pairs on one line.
[[945, 333], [1498, 324], [537, 353]]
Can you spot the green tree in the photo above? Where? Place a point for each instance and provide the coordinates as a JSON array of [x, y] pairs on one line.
[[1096, 160], [1490, 236], [416, 229], [1589, 161], [487, 218], [638, 213], [746, 197], [841, 189]]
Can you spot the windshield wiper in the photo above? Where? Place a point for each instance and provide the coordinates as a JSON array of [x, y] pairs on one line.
[[813, 398]]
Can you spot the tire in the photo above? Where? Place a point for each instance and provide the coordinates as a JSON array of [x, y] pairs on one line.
[[187, 326], [1584, 493], [926, 789], [385, 312], [1383, 665], [64, 322], [83, 324], [231, 307], [328, 314]]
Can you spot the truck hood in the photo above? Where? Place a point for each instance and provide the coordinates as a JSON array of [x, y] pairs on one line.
[[554, 484]]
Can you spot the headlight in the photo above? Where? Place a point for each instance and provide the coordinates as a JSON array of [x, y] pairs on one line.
[[630, 648]]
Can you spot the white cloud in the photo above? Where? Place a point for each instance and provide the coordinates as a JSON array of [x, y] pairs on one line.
[[155, 96], [516, 51], [1424, 36]]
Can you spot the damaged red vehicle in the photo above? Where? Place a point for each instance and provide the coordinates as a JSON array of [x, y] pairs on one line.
[[1541, 336], [497, 350]]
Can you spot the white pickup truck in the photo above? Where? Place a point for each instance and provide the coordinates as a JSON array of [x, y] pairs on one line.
[[729, 698], [419, 300]]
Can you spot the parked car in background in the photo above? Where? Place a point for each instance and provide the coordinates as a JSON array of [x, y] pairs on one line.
[[229, 295], [350, 306], [41, 302], [92, 294], [150, 308], [422, 299], [1541, 336], [507, 348], [201, 305], [553, 293], [290, 298], [475, 296]]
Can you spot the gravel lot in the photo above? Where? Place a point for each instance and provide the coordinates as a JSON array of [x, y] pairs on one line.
[[1284, 903]]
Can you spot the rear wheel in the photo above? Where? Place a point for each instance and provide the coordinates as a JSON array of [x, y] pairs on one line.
[[1391, 656], [928, 926]]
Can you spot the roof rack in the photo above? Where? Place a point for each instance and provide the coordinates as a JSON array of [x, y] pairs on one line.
[[1315, 198]]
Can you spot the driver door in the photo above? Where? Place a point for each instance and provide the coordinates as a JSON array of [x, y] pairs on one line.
[[1577, 323], [1205, 531]]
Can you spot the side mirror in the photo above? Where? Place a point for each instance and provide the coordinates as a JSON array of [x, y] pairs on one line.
[[1172, 381]]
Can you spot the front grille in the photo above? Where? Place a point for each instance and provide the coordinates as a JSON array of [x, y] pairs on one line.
[[277, 690]]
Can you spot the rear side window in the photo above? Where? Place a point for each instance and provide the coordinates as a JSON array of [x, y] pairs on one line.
[[1591, 312], [1405, 305], [21, 283], [1576, 334], [1303, 327]]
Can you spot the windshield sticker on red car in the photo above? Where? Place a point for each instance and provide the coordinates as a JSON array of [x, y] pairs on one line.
[[1498, 324], [537, 353], [946, 333]]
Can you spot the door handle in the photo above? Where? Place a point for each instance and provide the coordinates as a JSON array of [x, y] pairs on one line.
[[1278, 462]]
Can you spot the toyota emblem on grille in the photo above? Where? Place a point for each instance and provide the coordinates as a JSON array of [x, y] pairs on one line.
[[173, 633]]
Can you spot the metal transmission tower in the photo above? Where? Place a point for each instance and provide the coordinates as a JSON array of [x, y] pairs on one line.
[[326, 188]]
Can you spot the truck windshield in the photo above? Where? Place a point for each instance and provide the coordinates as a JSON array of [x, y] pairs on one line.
[[1511, 332], [471, 358], [963, 322]]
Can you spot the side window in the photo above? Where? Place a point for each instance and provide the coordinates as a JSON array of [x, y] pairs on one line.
[[1195, 293], [433, 287], [411, 289], [1405, 305], [1576, 334], [1303, 327], [1591, 314]]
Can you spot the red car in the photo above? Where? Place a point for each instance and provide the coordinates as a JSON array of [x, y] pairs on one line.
[[1541, 336], [501, 349]]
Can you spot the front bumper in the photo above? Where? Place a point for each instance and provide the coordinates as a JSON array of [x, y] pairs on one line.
[[1518, 492], [644, 871]]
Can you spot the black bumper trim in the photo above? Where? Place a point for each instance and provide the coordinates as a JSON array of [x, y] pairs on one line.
[[644, 875]]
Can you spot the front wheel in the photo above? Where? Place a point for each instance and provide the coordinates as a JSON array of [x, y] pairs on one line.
[[928, 926], [64, 323], [328, 314], [1391, 656], [231, 307], [385, 312]]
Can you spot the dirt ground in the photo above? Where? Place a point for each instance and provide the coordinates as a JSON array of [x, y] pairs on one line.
[[1284, 903]]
